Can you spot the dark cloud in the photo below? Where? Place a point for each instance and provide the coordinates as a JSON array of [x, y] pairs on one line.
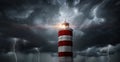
[[100, 51], [96, 23]]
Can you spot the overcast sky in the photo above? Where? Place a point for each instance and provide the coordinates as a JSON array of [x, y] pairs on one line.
[[29, 23]]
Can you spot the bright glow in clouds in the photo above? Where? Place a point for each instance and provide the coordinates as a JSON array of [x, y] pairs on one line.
[[64, 13], [71, 14], [67, 13], [78, 18]]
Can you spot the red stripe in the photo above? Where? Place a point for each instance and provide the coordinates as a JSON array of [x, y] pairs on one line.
[[65, 32], [65, 43], [64, 54]]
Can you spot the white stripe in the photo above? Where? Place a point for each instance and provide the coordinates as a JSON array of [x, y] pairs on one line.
[[66, 29], [65, 37], [65, 59], [64, 49]]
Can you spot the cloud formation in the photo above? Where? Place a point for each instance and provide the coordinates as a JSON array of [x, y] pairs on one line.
[[32, 21], [100, 51]]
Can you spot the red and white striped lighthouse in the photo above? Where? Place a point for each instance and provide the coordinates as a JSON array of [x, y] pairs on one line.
[[65, 53]]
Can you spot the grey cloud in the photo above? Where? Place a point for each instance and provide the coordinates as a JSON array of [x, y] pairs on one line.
[[37, 18], [100, 51]]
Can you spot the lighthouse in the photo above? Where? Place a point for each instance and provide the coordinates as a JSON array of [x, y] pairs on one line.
[[65, 34]]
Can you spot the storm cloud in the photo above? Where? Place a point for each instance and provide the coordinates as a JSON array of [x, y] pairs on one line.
[[28, 24], [99, 51]]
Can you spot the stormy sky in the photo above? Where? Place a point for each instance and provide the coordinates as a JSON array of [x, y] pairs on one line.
[[27, 27]]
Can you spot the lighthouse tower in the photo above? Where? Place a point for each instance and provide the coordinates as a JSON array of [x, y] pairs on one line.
[[65, 53]]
